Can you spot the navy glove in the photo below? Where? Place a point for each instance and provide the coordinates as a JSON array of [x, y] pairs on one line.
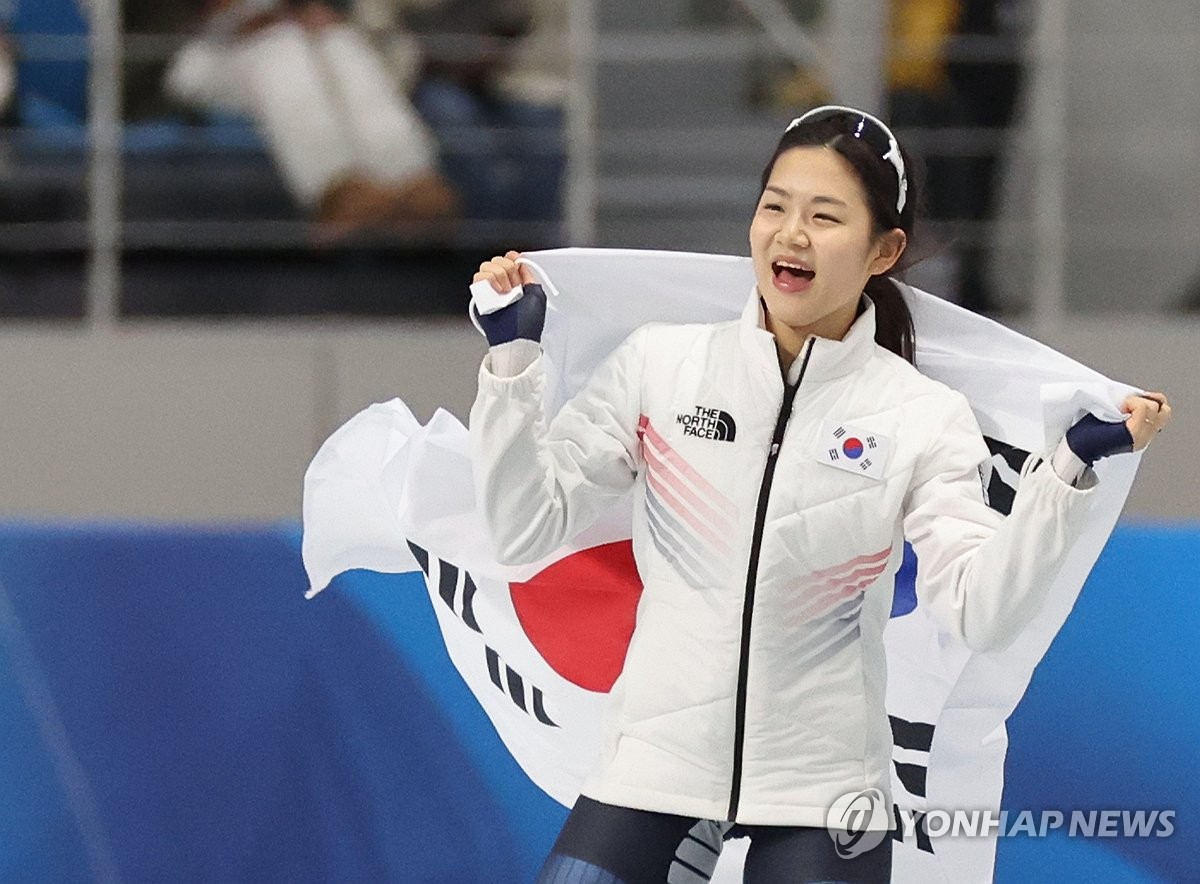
[[523, 318], [1091, 439]]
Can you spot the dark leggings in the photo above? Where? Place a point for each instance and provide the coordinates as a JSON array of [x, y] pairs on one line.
[[604, 844]]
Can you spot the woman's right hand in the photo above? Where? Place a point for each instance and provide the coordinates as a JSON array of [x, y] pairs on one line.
[[504, 273], [523, 318]]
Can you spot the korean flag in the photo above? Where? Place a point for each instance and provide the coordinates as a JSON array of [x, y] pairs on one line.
[[854, 449]]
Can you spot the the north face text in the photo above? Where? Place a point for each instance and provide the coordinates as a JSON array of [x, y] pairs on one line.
[[708, 423]]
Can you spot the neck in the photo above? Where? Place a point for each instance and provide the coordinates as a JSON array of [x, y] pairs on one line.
[[789, 340], [787, 352]]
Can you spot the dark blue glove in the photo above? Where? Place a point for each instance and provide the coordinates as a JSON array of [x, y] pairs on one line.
[[523, 318], [1091, 439]]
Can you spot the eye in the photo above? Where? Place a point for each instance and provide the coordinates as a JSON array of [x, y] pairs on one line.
[[827, 218], [772, 207]]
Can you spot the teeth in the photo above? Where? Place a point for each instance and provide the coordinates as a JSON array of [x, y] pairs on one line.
[[792, 266]]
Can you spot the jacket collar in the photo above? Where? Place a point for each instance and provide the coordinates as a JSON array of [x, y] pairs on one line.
[[829, 359]]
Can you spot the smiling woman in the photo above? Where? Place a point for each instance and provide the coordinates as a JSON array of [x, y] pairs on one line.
[[866, 179], [752, 692], [815, 246]]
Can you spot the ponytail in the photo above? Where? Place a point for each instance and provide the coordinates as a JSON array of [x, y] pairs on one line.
[[893, 320]]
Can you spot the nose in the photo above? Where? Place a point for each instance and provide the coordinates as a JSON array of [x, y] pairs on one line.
[[793, 231]]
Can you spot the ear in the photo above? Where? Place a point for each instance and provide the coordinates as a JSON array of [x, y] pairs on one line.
[[888, 249]]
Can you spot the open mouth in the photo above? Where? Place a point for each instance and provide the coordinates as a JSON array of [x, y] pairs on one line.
[[791, 274]]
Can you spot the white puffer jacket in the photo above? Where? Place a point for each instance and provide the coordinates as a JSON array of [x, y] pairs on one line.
[[767, 531]]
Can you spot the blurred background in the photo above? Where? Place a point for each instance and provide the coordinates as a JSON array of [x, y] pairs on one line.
[[226, 226]]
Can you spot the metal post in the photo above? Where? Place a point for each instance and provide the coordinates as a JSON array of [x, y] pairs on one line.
[[856, 36], [582, 135], [104, 167], [1047, 110]]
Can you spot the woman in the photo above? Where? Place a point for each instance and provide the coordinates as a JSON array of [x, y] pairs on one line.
[[779, 463]]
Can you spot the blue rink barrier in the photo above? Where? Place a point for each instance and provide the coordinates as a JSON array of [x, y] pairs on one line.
[[171, 709]]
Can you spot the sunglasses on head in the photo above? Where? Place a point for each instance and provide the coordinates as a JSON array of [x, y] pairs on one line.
[[868, 129]]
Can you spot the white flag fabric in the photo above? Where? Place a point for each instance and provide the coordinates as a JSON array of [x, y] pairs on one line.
[[540, 645]]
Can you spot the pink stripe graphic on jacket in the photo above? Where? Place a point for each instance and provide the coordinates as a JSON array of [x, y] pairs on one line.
[[717, 499], [658, 470], [684, 511], [695, 564], [856, 575], [831, 587], [673, 503], [867, 559]]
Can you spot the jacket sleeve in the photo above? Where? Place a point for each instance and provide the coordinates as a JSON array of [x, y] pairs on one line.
[[985, 576], [539, 484]]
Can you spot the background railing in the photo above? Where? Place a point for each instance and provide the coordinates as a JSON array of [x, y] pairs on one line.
[[671, 107], [109, 227]]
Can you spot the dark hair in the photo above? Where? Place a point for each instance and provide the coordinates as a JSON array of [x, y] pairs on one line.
[[893, 321]]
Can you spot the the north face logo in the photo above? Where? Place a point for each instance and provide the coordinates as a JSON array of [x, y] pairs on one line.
[[708, 423]]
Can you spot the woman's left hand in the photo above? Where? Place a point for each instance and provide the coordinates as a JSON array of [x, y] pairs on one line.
[[1148, 414]]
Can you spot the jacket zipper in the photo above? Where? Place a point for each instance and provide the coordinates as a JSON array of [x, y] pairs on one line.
[[760, 518]]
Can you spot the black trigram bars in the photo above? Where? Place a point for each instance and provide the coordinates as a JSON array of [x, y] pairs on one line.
[[513, 685], [528, 698], [1005, 470], [915, 736], [447, 584]]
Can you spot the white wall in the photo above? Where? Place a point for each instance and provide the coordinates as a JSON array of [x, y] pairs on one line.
[[203, 422], [217, 422]]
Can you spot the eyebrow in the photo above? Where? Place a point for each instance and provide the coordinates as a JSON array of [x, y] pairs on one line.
[[830, 200]]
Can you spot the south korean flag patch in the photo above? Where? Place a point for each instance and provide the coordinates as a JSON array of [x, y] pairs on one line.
[[854, 449]]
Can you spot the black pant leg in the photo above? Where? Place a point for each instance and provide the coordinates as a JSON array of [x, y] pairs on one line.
[[604, 844], [806, 855]]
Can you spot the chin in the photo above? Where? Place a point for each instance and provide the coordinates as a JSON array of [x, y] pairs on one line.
[[794, 309], [796, 319]]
